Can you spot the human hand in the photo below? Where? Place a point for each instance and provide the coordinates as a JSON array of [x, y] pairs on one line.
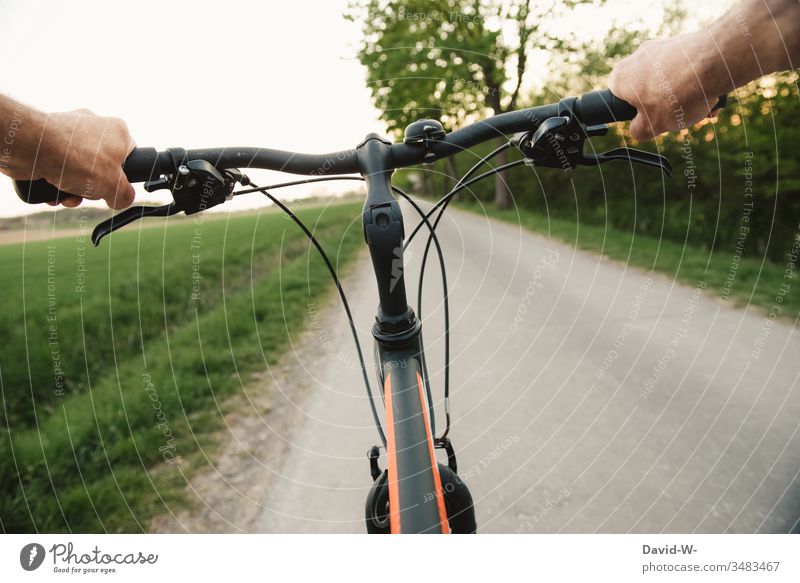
[[78, 151], [82, 153], [673, 83]]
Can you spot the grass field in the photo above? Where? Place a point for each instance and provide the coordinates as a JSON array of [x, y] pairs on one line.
[[743, 281], [116, 361]]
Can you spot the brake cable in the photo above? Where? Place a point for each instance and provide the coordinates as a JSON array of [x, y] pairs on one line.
[[337, 282], [424, 219], [461, 184], [446, 307], [339, 288], [263, 189], [446, 302]]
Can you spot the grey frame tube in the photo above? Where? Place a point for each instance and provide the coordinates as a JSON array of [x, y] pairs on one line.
[[416, 498]]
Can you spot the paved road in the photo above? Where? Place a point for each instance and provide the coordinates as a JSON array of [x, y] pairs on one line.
[[587, 397]]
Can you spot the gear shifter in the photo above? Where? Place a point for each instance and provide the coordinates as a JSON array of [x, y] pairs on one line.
[[196, 186]]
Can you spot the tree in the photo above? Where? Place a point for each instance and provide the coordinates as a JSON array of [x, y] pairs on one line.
[[588, 63], [453, 60]]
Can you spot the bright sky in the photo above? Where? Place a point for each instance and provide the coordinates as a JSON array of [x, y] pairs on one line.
[[192, 74], [199, 74]]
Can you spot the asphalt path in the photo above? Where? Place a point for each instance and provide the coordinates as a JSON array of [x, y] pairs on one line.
[[587, 396]]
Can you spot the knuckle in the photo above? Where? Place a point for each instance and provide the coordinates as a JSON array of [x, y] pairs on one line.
[[647, 45], [624, 62], [621, 70], [118, 125], [614, 76], [119, 135]]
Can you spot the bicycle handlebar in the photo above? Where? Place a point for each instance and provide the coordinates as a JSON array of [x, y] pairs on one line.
[[598, 107], [143, 164]]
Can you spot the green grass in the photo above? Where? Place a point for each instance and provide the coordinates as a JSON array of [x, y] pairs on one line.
[[147, 355], [754, 282]]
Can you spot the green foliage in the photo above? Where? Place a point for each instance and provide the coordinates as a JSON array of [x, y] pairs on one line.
[[735, 187], [145, 365], [453, 60], [588, 62]]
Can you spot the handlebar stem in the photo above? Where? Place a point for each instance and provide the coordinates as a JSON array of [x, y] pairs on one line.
[[384, 234]]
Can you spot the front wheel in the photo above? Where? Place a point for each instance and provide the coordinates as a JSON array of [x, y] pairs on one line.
[[457, 499]]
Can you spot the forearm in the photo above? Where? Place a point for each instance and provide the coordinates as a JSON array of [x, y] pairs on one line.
[[20, 131], [754, 38]]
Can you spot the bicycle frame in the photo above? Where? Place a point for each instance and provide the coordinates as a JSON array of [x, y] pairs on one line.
[[413, 478], [414, 481]]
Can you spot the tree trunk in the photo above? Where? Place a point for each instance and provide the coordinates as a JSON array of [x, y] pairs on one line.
[[502, 193]]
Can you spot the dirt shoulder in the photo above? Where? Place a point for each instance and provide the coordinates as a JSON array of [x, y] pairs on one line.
[[226, 496], [13, 237]]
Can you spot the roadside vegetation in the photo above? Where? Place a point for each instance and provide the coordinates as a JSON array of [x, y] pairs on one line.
[[733, 199], [117, 361]]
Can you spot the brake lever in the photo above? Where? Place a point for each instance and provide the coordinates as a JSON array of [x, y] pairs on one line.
[[631, 155], [130, 215], [559, 140], [195, 186]]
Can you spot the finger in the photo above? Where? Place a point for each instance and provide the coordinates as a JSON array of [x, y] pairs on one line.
[[120, 200], [52, 202], [71, 201], [641, 129], [122, 195]]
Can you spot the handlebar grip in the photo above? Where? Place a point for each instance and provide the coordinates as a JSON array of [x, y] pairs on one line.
[[598, 107], [37, 191], [141, 164]]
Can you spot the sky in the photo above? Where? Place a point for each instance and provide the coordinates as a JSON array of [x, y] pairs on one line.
[[192, 74], [200, 74]]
